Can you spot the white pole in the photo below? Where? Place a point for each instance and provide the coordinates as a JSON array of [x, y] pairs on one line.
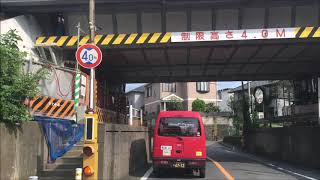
[[141, 117], [91, 105], [164, 106], [130, 115]]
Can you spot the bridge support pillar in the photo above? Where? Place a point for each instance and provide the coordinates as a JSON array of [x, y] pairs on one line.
[[319, 100]]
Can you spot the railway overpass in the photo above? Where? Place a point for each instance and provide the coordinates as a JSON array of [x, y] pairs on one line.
[[138, 44], [188, 40]]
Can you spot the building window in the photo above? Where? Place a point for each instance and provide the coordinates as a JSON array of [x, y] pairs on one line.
[[168, 87], [203, 86], [149, 91]]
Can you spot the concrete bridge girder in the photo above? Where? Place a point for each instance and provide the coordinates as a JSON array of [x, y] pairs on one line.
[[193, 19], [206, 61], [238, 60], [225, 60]]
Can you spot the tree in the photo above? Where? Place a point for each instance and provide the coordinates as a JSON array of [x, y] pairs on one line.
[[210, 107], [236, 108], [198, 105], [16, 85]]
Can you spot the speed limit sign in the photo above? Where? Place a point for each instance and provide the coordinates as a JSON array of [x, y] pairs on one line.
[[89, 56]]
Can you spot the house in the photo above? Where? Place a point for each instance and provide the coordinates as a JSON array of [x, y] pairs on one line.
[[225, 96], [135, 97], [271, 106], [286, 100], [158, 96]]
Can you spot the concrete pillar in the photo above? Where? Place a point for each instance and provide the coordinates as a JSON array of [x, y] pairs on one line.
[[319, 100], [164, 106]]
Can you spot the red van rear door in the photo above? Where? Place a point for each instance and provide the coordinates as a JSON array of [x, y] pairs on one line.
[[179, 137]]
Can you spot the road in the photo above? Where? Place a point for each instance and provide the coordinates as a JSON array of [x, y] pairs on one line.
[[224, 164]]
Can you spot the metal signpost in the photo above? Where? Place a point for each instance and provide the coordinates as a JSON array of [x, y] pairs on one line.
[[89, 56]]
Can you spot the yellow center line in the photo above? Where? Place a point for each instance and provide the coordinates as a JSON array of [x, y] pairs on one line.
[[224, 171]]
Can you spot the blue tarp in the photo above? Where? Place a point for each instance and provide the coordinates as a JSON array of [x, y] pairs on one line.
[[61, 135]]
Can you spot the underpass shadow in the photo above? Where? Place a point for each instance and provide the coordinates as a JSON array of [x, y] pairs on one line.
[[223, 154], [219, 154], [138, 163], [177, 173]]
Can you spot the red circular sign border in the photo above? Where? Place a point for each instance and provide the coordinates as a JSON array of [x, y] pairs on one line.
[[89, 66]]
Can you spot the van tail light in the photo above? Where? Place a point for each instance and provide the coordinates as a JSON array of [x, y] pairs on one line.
[[161, 162], [197, 163]]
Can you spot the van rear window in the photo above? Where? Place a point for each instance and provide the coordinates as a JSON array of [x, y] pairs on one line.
[[179, 126]]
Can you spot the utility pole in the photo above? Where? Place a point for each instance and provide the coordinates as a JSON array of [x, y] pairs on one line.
[[249, 95], [246, 121], [91, 145], [92, 35]]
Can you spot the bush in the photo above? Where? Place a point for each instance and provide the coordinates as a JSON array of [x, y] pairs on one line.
[[16, 86], [198, 105], [174, 106], [210, 107]]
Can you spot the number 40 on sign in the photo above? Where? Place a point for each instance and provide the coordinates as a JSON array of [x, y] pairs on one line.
[[89, 56]]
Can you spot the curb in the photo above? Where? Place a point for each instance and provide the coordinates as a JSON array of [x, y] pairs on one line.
[[230, 147]]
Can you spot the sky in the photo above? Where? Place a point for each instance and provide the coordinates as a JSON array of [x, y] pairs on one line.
[[221, 85]]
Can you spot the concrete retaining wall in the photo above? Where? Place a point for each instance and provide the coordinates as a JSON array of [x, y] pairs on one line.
[[123, 151], [223, 124], [223, 130], [298, 145], [21, 150]]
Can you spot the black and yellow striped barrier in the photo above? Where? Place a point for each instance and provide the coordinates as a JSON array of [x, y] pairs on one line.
[[51, 107], [307, 32], [107, 40]]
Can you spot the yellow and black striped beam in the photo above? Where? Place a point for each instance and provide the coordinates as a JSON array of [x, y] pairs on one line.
[[110, 40], [107, 40], [307, 32], [52, 107]]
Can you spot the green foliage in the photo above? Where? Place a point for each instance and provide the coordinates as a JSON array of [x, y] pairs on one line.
[[255, 119], [210, 107], [174, 105], [198, 105], [16, 86], [236, 107]]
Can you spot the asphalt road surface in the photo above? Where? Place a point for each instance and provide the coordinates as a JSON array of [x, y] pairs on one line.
[[225, 164]]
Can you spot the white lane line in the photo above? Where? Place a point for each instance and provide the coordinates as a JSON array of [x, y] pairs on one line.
[[301, 175], [147, 174]]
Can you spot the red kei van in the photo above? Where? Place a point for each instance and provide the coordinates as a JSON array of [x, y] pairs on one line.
[[179, 141]]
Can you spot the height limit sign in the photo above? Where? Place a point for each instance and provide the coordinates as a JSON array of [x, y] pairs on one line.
[[89, 56]]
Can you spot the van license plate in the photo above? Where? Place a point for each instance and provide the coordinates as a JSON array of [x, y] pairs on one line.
[[179, 165]]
